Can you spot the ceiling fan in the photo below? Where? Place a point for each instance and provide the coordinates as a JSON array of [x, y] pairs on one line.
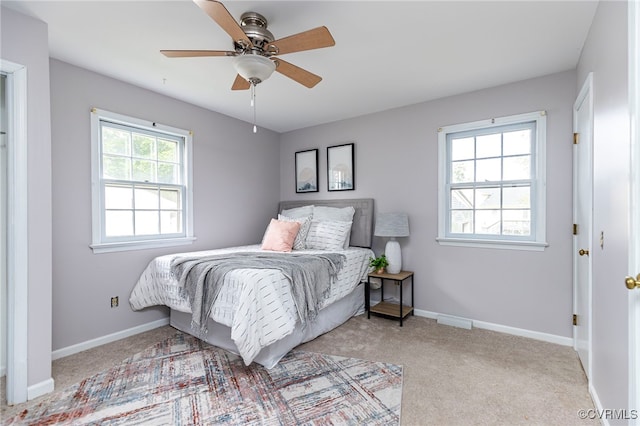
[[255, 50]]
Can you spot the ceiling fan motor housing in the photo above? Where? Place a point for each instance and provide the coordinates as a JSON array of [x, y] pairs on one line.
[[254, 26]]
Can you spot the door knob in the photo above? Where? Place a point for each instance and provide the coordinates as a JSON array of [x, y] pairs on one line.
[[632, 283], [583, 252]]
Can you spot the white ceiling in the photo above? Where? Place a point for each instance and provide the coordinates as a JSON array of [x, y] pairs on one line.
[[387, 53]]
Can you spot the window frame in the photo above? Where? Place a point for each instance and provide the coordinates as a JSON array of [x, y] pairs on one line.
[[537, 240], [101, 243]]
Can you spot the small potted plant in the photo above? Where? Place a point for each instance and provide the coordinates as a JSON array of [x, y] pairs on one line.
[[379, 263]]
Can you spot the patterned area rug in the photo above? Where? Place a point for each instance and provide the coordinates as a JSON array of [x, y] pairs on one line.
[[183, 381]]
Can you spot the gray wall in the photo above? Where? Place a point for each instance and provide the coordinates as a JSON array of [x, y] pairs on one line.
[[25, 42], [236, 181], [605, 54], [396, 164]]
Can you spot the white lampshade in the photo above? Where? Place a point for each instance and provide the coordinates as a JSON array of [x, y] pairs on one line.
[[392, 225], [254, 68]]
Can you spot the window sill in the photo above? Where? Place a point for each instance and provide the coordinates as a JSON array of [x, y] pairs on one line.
[[494, 244], [140, 245]]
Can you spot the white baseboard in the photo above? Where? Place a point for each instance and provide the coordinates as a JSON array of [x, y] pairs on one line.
[[79, 347], [596, 402], [40, 389], [545, 337], [455, 321]]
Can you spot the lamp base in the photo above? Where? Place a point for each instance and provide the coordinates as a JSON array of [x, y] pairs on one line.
[[394, 256]]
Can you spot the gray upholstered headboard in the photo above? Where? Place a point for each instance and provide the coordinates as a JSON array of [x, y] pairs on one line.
[[362, 228]]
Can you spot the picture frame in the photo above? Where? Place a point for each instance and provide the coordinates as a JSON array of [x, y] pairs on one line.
[[306, 171], [340, 168]]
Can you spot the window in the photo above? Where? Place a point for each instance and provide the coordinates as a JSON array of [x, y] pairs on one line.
[[492, 183], [141, 183]]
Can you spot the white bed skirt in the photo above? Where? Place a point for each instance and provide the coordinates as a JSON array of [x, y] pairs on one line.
[[328, 318]]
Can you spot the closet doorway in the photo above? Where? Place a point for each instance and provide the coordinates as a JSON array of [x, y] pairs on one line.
[[14, 234]]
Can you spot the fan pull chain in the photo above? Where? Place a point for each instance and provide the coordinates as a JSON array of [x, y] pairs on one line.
[[253, 105]]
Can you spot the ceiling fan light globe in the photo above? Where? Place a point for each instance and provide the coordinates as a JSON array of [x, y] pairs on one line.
[[254, 67]]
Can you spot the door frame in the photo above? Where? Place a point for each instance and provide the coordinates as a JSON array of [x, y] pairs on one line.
[[17, 236], [634, 209], [3, 223], [585, 95]]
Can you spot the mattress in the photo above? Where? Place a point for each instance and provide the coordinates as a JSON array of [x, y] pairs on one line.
[[256, 304], [328, 318]]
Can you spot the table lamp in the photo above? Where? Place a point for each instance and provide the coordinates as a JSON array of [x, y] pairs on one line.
[[392, 225]]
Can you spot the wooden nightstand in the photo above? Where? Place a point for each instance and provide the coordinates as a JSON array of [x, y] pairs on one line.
[[388, 309]]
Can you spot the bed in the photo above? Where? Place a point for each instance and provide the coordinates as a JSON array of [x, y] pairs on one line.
[[256, 312]]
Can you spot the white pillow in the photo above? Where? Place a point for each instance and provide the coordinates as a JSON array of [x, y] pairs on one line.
[[344, 214], [328, 235], [296, 212], [305, 224]]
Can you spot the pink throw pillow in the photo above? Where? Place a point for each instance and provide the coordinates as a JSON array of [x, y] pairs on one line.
[[280, 235]]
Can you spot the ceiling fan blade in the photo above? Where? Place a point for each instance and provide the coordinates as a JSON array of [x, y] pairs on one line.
[[298, 74], [221, 15], [195, 53], [312, 39], [240, 83]]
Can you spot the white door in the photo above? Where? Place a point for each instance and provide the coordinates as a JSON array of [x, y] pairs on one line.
[[634, 213], [582, 219]]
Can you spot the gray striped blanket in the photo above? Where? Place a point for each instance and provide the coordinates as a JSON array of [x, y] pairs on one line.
[[310, 275]]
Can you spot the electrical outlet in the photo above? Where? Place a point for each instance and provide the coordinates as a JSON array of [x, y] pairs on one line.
[[114, 302]]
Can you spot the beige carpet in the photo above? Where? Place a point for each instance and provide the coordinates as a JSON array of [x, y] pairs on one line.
[[451, 376]]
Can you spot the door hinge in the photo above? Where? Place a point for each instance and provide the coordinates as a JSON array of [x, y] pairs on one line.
[[576, 138], [575, 229], [575, 319]]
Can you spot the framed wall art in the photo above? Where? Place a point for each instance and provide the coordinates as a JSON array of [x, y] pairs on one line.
[[307, 171], [340, 172]]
